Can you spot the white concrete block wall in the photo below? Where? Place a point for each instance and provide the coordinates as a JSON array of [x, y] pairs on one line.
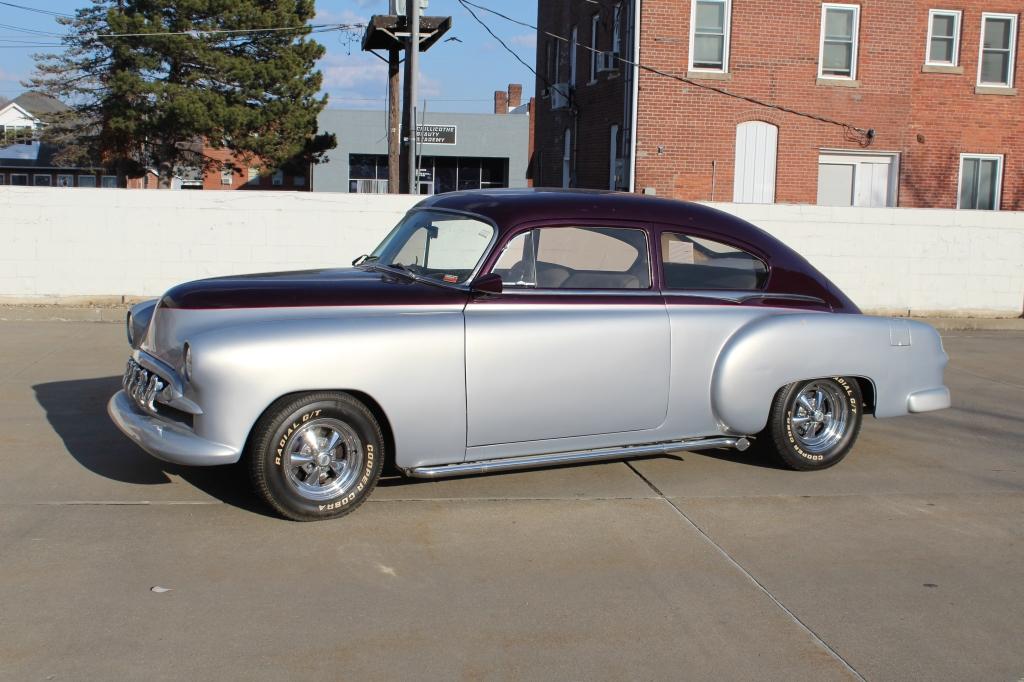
[[94, 243], [898, 260], [80, 243]]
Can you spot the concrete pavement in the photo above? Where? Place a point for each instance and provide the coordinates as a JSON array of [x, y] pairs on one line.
[[904, 562]]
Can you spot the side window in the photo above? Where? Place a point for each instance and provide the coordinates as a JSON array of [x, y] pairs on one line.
[[515, 264], [577, 258], [697, 263]]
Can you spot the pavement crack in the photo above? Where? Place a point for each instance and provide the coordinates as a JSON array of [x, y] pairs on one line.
[[757, 584]]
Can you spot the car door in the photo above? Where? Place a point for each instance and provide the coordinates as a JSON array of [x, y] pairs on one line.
[[576, 345]]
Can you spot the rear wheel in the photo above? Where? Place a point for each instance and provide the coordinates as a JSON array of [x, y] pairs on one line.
[[814, 424], [316, 456]]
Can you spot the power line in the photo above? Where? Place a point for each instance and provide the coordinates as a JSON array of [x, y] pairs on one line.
[[36, 9], [319, 28], [30, 31], [868, 133], [465, 6]]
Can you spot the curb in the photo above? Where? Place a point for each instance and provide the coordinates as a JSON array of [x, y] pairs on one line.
[[115, 313]]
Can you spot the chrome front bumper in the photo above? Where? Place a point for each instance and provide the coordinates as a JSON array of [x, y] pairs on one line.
[[165, 439]]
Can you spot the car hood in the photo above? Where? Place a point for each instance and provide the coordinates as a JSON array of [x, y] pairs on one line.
[[189, 310], [307, 288]]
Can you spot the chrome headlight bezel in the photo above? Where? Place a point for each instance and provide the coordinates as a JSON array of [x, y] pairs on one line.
[[186, 362]]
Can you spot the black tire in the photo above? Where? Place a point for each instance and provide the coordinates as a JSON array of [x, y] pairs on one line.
[[283, 438], [805, 440]]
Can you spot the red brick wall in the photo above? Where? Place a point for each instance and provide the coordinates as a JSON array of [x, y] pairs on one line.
[[928, 118], [240, 175]]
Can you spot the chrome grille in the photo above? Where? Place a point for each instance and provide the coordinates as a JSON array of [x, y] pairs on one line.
[[141, 385]]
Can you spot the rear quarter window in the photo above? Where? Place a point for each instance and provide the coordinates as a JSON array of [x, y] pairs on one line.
[[690, 262]]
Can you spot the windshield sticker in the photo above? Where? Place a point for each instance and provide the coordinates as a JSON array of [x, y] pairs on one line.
[[451, 278]]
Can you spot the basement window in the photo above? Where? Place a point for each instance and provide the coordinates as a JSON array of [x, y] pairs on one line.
[[840, 26], [943, 37], [981, 180], [709, 35], [86, 180]]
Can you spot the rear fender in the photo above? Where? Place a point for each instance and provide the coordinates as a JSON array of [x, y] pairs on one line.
[[899, 357]]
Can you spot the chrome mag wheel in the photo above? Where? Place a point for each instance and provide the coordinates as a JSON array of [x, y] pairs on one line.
[[820, 416], [324, 458]]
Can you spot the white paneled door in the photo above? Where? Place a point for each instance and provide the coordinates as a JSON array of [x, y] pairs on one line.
[[757, 144]]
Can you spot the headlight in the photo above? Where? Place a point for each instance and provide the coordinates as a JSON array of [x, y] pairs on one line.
[[187, 366], [129, 332]]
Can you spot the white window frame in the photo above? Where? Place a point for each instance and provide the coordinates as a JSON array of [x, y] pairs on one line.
[[854, 158], [595, 22], [617, 29], [613, 156], [94, 184], [999, 159], [574, 42], [957, 18], [40, 176], [726, 28], [277, 179], [20, 175], [227, 176], [567, 159], [104, 178], [825, 7], [1013, 49], [1, 178], [70, 178]]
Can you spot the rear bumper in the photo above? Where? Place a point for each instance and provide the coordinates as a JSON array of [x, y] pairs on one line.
[[164, 439], [928, 401]]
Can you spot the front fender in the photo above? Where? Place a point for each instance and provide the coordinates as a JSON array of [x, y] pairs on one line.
[[411, 364], [900, 357]]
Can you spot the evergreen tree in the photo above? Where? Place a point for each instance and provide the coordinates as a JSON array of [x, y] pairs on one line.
[[146, 79]]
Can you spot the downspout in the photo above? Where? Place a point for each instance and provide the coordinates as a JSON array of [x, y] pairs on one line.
[[635, 95]]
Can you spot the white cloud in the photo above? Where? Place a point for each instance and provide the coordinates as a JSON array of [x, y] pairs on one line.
[[524, 40], [354, 71], [429, 87], [345, 16]]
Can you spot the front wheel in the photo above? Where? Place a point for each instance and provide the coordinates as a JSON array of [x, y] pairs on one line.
[[316, 456], [814, 424]]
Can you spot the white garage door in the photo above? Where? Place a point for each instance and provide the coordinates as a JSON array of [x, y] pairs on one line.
[[756, 146]]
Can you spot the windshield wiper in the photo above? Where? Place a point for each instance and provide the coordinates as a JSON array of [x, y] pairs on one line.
[[364, 259]]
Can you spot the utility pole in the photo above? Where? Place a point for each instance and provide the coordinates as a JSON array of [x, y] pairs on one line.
[[412, 63], [394, 123], [396, 32]]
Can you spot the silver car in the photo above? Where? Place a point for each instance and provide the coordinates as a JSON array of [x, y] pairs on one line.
[[502, 330]]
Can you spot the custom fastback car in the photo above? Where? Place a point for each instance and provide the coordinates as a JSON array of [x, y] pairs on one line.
[[502, 330]]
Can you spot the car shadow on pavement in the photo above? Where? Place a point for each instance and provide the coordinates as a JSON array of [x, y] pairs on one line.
[[77, 411]]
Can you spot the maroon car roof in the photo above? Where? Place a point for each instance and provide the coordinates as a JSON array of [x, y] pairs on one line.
[[508, 208], [511, 207]]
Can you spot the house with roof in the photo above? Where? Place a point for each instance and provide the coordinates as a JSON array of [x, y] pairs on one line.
[[28, 161]]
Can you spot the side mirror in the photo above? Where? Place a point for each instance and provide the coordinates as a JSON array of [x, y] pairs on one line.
[[487, 284]]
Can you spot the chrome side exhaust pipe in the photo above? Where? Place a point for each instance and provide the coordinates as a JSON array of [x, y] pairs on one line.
[[575, 457]]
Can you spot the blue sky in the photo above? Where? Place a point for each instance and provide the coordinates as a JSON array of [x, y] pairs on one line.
[[455, 76]]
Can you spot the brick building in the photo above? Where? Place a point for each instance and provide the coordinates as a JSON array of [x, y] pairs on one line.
[[936, 82]]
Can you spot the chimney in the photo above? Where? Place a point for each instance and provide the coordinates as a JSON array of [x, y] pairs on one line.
[[515, 95], [500, 102]]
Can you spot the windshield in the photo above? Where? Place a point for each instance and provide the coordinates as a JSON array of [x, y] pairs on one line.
[[435, 245]]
